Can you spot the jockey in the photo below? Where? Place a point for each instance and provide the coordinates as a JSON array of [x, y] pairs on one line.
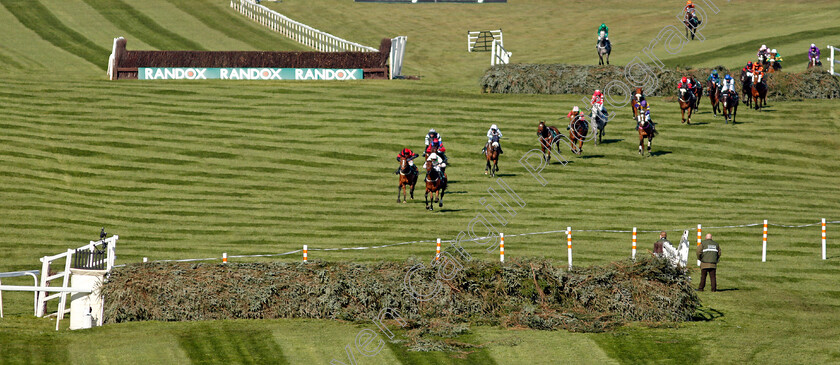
[[813, 54], [493, 134], [729, 86], [597, 101], [775, 56], [606, 30], [432, 135], [574, 113], [714, 78], [762, 53], [758, 70], [689, 10], [408, 154], [644, 109], [433, 145], [685, 83], [437, 163]]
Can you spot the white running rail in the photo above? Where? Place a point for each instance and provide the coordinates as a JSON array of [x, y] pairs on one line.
[[299, 32], [473, 38], [832, 60], [498, 55]]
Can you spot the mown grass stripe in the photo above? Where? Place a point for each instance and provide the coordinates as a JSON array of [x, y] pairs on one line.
[[40, 20], [140, 25]]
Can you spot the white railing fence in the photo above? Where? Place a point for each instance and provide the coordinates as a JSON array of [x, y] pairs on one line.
[[47, 261], [395, 60], [832, 60], [498, 55], [299, 32], [480, 40]]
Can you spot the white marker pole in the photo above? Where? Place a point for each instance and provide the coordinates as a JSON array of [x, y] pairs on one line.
[[502, 248], [764, 244], [633, 252], [224, 257], [569, 244], [437, 252], [699, 238], [305, 253], [823, 238]]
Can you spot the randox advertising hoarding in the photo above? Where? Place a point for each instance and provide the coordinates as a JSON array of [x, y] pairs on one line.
[[205, 73]]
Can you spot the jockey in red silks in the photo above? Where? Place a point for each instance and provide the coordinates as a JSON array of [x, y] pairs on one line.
[[408, 154], [685, 83], [433, 146]]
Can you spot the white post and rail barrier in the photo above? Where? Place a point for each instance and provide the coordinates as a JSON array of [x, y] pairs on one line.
[[832, 60], [498, 54]]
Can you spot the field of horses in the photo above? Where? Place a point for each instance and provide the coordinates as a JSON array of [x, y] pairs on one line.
[[190, 169]]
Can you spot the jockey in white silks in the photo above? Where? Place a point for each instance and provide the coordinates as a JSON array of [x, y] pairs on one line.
[[437, 163], [493, 135]]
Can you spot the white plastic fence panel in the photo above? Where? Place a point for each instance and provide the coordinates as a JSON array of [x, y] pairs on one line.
[[396, 57], [498, 54], [472, 38]]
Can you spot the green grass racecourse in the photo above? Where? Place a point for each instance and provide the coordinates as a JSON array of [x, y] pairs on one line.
[[194, 169]]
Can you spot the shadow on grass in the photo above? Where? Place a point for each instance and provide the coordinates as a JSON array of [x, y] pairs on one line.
[[706, 314], [608, 141], [659, 153], [591, 156], [444, 210], [728, 289], [505, 175]]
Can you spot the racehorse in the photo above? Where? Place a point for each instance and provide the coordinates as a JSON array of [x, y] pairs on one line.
[[746, 86], [698, 93], [691, 23], [491, 152], [758, 91], [578, 129], [599, 120], [435, 184], [714, 97], [636, 98], [730, 105], [604, 48], [646, 130], [686, 103], [408, 177], [547, 135]]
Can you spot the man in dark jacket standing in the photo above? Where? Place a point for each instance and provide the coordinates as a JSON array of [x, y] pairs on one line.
[[709, 254]]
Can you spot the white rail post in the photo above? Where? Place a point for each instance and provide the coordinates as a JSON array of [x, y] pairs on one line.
[[305, 253], [569, 245], [437, 250], [633, 251], [45, 273], [764, 243], [699, 239], [502, 248], [823, 238]]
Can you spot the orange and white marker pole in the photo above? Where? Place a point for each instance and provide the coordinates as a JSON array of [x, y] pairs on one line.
[[569, 244], [437, 252], [224, 257], [305, 253], [633, 252], [699, 238], [823, 238], [764, 243], [502, 248]]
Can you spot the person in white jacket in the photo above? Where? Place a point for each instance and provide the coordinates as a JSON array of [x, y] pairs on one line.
[[493, 135]]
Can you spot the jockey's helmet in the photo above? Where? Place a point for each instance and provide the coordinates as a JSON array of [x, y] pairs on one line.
[[813, 45], [684, 79], [773, 51], [728, 77], [763, 46], [576, 109], [688, 2], [714, 72], [406, 152], [494, 127], [598, 92], [432, 130], [749, 64]]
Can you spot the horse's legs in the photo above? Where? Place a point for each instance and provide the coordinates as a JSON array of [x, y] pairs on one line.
[[412, 189], [400, 187], [427, 199], [441, 192], [487, 167], [641, 142], [650, 139]]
